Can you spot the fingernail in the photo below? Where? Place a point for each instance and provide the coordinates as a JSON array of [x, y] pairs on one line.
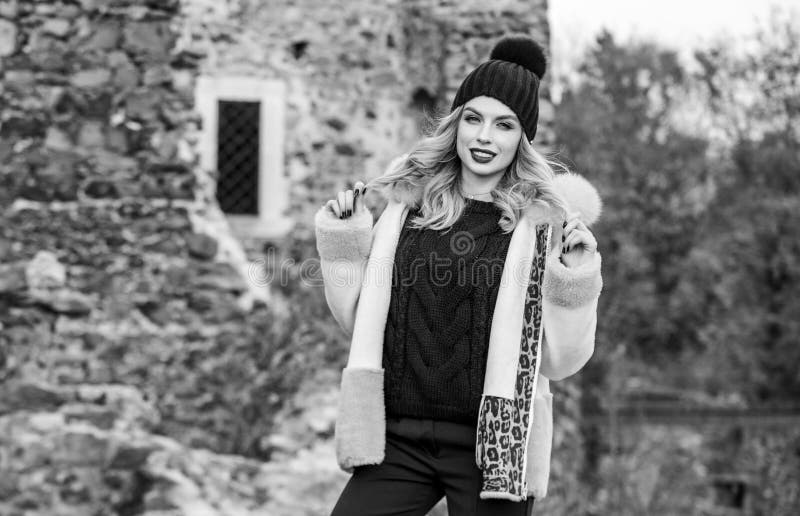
[[564, 224], [355, 194], [364, 191], [349, 212], [563, 250]]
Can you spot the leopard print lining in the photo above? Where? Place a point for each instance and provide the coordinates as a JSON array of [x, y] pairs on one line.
[[503, 424]]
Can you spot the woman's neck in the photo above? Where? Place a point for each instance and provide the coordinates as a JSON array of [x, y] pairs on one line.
[[478, 187], [478, 197]]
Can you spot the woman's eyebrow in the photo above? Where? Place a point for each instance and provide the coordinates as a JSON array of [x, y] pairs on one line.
[[501, 117]]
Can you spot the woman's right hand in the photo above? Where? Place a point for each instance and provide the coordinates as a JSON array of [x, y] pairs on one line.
[[348, 202]]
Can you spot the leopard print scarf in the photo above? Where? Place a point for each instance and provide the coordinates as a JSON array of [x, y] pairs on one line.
[[504, 424]]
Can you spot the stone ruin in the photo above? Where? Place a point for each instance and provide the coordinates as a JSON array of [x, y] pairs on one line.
[[115, 257]]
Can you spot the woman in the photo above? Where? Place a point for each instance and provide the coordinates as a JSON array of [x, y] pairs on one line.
[[461, 306]]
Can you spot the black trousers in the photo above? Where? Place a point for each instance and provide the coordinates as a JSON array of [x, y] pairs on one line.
[[425, 460]]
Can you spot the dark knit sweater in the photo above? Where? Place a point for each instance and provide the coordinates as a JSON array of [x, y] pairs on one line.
[[436, 339]]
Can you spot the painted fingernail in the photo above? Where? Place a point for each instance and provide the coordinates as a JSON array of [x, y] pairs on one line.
[[349, 212], [355, 194], [564, 224]]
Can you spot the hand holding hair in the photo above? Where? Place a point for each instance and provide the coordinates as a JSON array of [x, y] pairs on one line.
[[348, 202]]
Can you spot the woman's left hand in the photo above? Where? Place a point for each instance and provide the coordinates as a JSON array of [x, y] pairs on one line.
[[578, 244]]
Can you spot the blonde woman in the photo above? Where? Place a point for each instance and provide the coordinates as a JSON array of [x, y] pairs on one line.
[[476, 286]]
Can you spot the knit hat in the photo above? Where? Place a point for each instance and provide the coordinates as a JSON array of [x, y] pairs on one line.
[[511, 75]]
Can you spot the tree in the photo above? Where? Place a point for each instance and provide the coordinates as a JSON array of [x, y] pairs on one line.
[[754, 328], [614, 125]]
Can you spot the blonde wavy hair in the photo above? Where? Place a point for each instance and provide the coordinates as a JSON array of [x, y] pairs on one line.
[[429, 179]]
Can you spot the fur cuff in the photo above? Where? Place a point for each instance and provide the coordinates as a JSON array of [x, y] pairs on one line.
[[572, 287], [360, 432], [347, 239]]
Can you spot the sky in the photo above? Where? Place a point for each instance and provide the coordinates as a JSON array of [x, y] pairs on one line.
[[681, 24]]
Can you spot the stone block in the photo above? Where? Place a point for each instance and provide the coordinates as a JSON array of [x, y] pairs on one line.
[[89, 79], [101, 189], [8, 484], [202, 246], [81, 448], [46, 422], [29, 396], [105, 35], [131, 456], [117, 140], [58, 139], [45, 271], [100, 417], [68, 302], [8, 38], [12, 278], [91, 135], [19, 81], [57, 27], [151, 38], [158, 75], [143, 105], [9, 9]]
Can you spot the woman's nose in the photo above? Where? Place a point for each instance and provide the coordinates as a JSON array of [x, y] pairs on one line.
[[484, 136]]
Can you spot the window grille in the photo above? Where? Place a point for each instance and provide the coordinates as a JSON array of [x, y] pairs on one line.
[[238, 136]]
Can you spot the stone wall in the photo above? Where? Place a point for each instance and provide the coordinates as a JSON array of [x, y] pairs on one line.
[[116, 274], [359, 73]]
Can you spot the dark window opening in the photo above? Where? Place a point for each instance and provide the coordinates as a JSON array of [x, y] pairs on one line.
[[298, 48], [730, 492], [237, 157]]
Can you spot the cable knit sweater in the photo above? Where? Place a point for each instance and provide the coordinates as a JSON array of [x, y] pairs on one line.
[[437, 334]]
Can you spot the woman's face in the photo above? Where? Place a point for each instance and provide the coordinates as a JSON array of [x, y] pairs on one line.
[[488, 137]]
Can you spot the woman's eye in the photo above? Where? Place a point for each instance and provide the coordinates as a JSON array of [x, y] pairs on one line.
[[505, 125], [471, 118]]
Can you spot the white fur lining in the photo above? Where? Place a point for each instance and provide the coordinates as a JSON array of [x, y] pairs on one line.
[[572, 286], [361, 425], [343, 239]]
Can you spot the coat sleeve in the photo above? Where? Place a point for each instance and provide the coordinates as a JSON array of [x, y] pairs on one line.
[[569, 315], [343, 246]]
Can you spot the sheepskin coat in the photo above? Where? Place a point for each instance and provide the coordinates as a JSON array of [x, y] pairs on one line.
[[543, 328]]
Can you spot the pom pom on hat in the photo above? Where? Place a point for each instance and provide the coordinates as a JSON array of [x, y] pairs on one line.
[[523, 51]]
